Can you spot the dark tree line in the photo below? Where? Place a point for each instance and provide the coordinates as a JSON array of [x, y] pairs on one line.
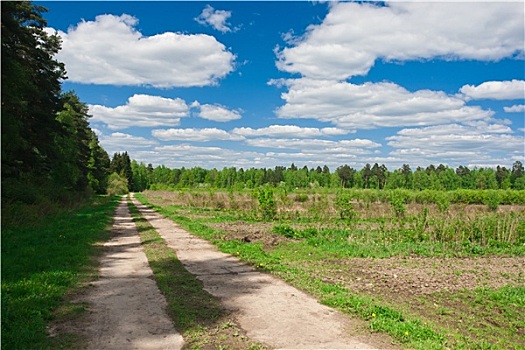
[[48, 148], [370, 176]]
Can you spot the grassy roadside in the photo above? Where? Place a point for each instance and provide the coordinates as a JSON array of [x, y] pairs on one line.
[[195, 313], [293, 262], [43, 262]]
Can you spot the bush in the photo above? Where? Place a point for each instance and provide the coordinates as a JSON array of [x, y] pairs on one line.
[[117, 184], [267, 205], [301, 198], [284, 230], [344, 206], [398, 200]]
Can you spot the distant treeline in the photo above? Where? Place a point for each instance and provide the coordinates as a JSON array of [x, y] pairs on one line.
[[370, 176]]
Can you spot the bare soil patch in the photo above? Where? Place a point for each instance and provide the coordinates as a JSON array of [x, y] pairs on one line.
[[125, 309], [266, 308], [436, 289]]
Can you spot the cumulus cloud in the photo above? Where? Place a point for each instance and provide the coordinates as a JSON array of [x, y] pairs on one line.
[[288, 131], [110, 50], [514, 109], [216, 113], [372, 105], [316, 146], [141, 110], [218, 19], [121, 142], [206, 134], [495, 90], [218, 157], [458, 143], [354, 35]]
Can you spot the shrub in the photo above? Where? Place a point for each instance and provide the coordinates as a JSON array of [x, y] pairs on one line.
[[344, 206], [492, 199], [442, 202], [117, 184], [284, 230], [301, 198], [267, 205], [398, 202]]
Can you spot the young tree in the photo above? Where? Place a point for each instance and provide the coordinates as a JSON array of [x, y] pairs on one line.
[[117, 184]]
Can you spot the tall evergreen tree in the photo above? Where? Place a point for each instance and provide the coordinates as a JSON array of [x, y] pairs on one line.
[[31, 89]]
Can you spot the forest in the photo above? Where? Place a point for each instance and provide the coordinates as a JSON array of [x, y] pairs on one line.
[[49, 152], [369, 177]]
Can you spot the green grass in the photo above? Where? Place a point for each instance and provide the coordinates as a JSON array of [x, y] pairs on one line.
[[198, 315], [44, 261], [497, 315], [375, 238]]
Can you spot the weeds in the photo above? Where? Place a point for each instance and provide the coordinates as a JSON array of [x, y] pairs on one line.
[[441, 227], [267, 204]]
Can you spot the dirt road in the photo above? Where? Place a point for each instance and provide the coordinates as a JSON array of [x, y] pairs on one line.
[[269, 310], [126, 309]]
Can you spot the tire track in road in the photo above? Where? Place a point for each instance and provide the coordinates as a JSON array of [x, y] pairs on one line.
[[266, 308], [126, 309]]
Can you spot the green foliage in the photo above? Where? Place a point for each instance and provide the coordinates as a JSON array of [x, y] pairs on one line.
[[30, 91], [121, 164], [267, 205], [301, 197], [117, 184], [442, 201], [398, 200], [344, 206], [46, 139], [41, 262], [284, 230], [492, 199]]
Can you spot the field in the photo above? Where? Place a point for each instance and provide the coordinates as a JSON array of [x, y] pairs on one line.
[[433, 269]]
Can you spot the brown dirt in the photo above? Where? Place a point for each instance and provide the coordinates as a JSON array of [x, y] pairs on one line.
[[435, 289], [395, 277], [267, 309], [125, 308]]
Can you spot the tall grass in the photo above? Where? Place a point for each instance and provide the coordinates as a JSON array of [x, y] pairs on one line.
[[41, 262], [403, 216], [322, 229]]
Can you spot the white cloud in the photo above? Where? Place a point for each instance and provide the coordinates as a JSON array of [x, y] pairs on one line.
[[496, 90], [372, 105], [215, 18], [514, 109], [216, 112], [121, 142], [316, 146], [207, 157], [200, 135], [143, 111], [110, 50], [459, 144], [353, 36], [218, 157], [288, 131]]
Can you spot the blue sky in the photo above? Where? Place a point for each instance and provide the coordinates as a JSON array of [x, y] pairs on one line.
[[260, 84]]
